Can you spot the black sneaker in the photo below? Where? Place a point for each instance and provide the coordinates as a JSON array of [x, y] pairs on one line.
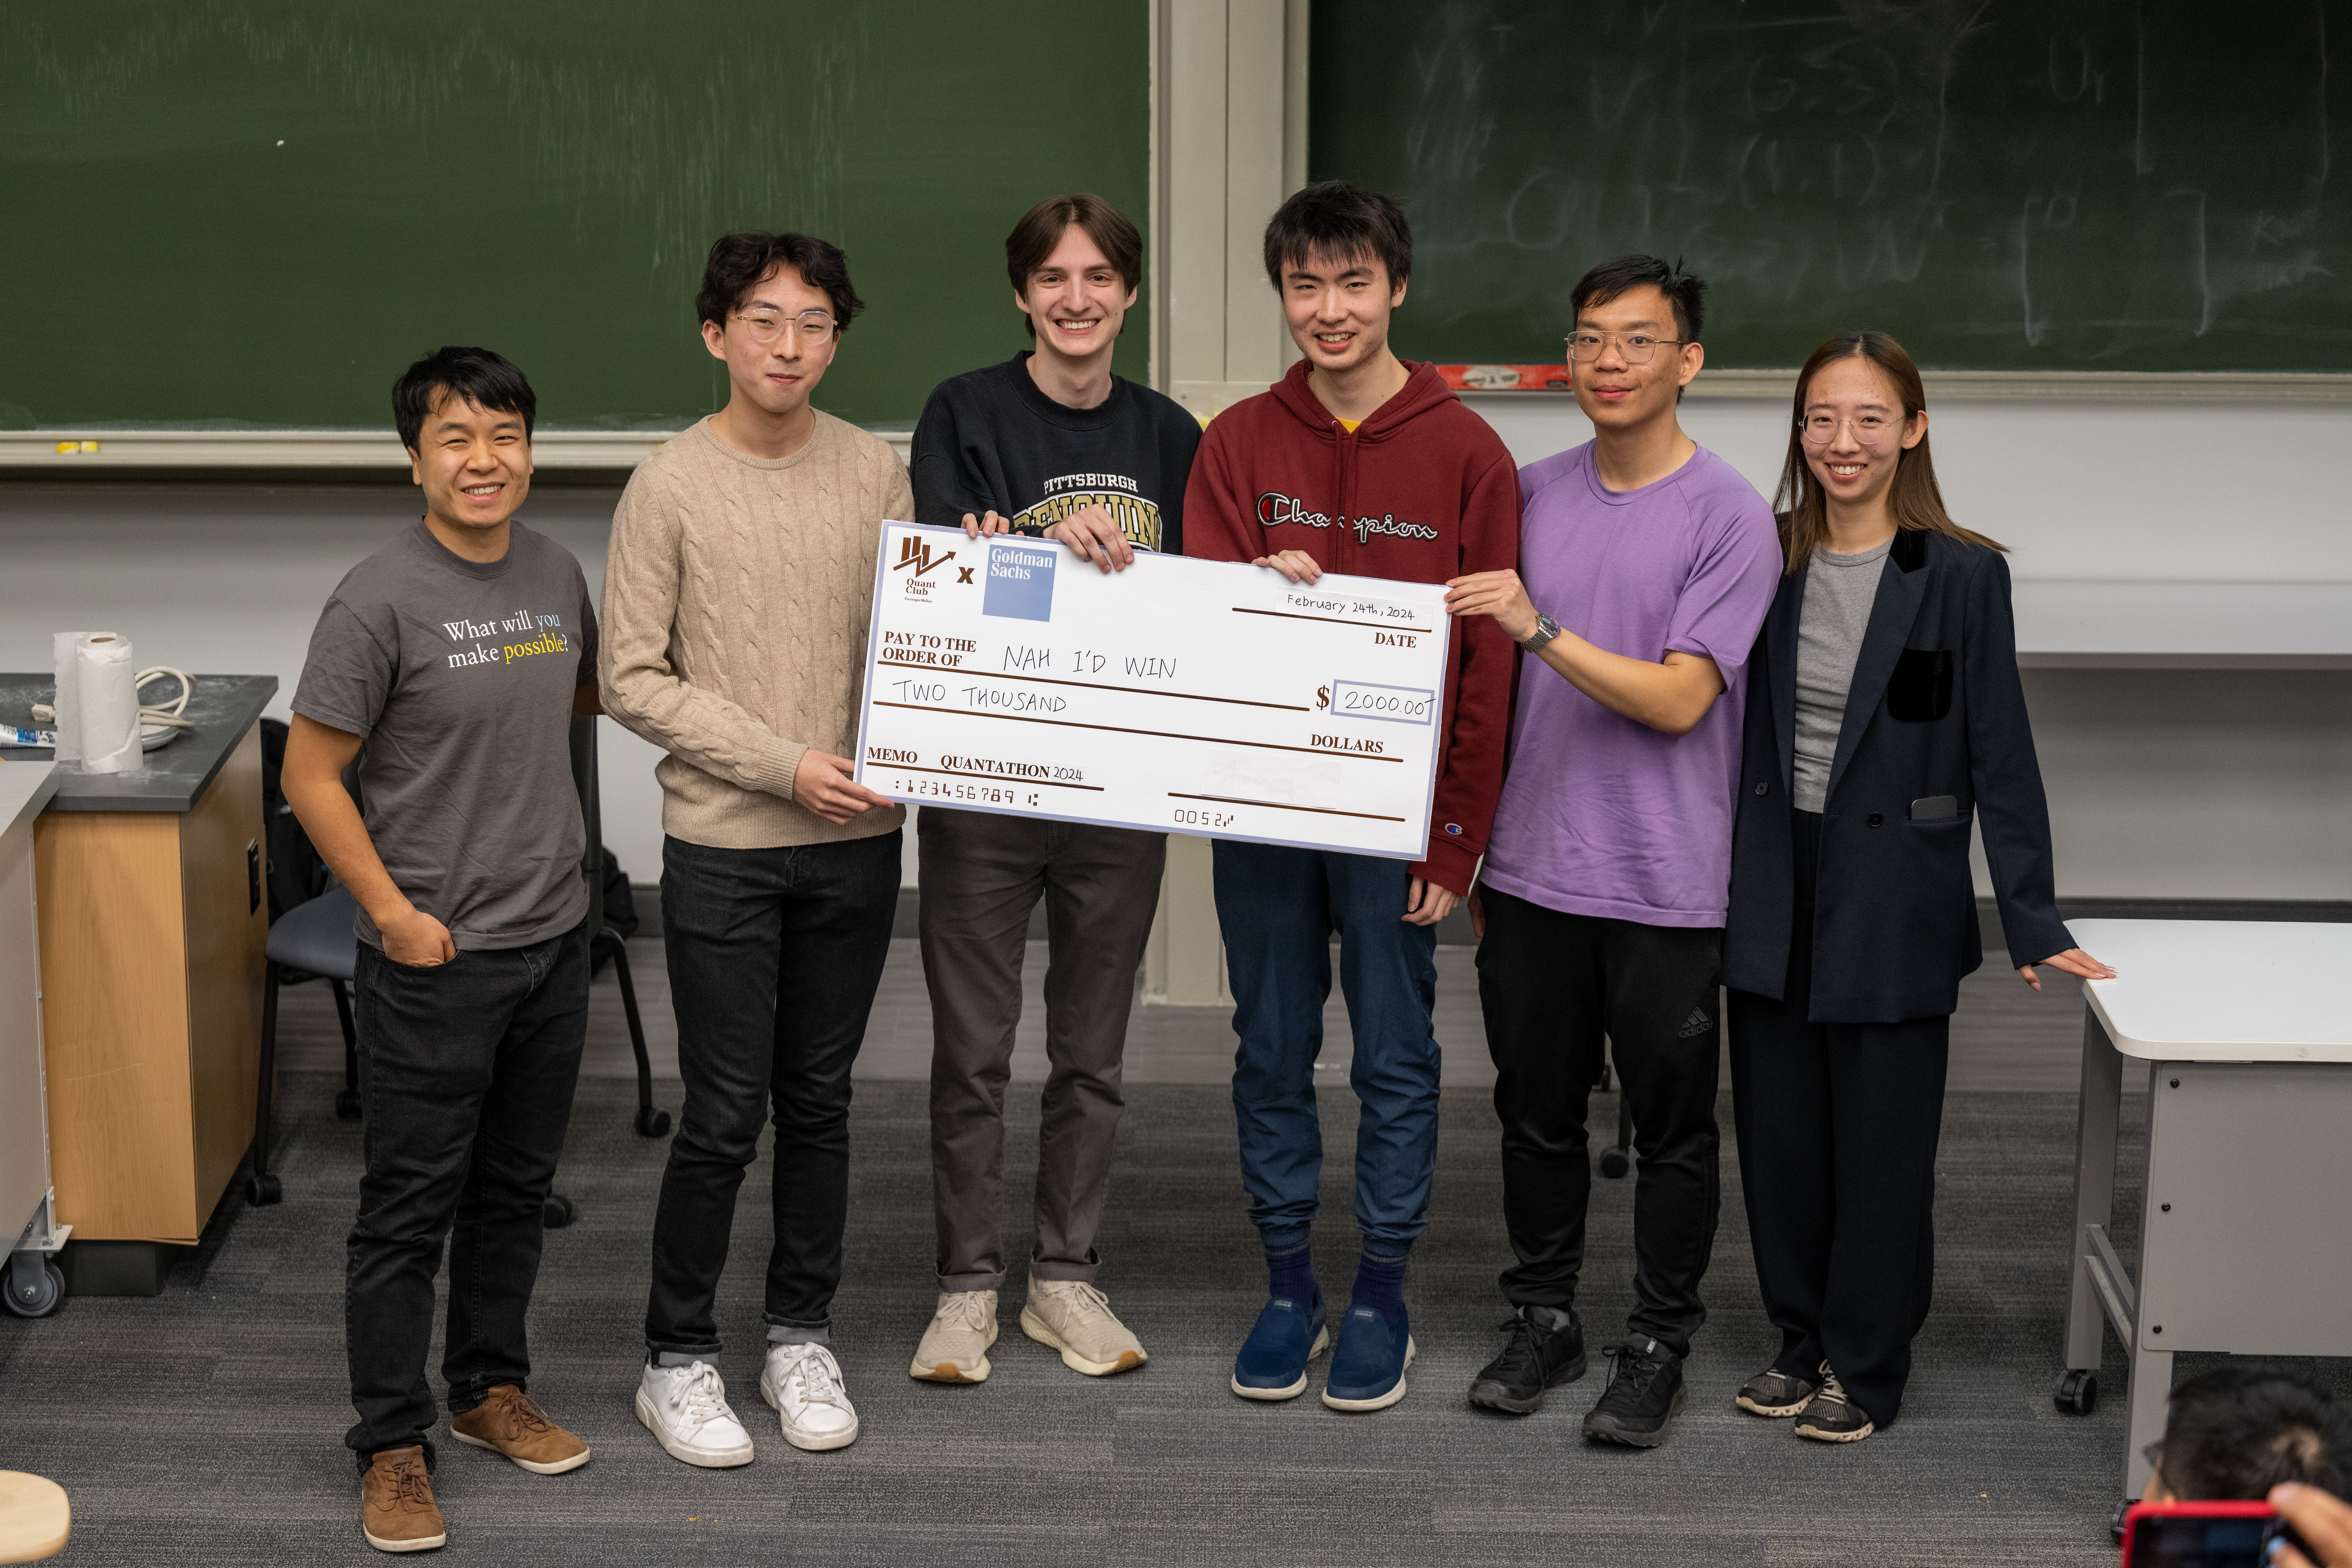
[[1645, 1392], [1544, 1348], [1830, 1416], [1774, 1393]]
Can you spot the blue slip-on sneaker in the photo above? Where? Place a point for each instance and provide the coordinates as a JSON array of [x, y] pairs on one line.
[[1273, 1362], [1368, 1369]]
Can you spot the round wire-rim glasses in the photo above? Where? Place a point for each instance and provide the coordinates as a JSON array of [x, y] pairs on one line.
[[1869, 430], [1638, 348], [813, 326]]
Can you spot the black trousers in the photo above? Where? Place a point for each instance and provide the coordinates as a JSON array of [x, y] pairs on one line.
[[774, 955], [466, 1070], [1552, 985], [1838, 1125]]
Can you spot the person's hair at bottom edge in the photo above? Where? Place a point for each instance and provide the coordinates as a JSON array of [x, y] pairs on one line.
[[2236, 1432]]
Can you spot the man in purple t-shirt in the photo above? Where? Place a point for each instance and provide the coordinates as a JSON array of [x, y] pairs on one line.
[[1648, 566]]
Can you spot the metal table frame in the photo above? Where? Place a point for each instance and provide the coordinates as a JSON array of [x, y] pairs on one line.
[[2247, 1186]]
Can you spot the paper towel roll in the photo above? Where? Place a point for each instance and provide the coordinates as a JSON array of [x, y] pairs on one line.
[[106, 692], [61, 648]]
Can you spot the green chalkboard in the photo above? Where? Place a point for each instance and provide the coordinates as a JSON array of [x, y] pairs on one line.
[[259, 212], [2004, 185]]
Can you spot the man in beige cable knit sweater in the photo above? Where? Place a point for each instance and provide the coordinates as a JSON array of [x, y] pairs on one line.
[[736, 601]]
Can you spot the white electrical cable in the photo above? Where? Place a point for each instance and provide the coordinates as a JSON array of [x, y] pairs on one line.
[[167, 713]]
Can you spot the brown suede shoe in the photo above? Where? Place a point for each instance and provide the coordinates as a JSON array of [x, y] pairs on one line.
[[396, 1508], [509, 1423]]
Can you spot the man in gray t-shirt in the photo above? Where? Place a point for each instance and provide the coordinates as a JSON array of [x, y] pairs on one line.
[[449, 664], [460, 674]]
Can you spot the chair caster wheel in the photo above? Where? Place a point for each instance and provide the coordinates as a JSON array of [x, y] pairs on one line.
[[2116, 1518], [347, 1104], [34, 1297], [1614, 1162], [653, 1122], [2078, 1393], [263, 1190], [556, 1212]]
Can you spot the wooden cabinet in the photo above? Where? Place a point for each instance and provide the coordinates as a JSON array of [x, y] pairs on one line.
[[151, 926]]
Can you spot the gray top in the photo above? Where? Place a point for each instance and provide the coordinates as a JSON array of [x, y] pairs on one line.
[[459, 676], [172, 777], [1839, 592]]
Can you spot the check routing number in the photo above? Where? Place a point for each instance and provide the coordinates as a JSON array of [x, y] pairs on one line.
[[1010, 674]]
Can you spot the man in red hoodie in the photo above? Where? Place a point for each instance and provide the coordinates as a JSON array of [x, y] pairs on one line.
[[1355, 462]]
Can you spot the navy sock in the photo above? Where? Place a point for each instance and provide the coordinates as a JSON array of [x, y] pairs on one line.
[[1292, 1274], [1380, 1285]]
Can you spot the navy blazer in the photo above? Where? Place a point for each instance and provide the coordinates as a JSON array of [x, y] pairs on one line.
[[1936, 710]]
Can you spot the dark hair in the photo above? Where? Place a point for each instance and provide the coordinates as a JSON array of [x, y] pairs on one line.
[[481, 377], [1339, 221], [2237, 1431], [1916, 501], [1041, 228], [1682, 290], [738, 262]]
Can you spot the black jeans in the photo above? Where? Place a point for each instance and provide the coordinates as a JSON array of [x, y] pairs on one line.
[[774, 955], [1838, 1125], [466, 1070], [1552, 985]]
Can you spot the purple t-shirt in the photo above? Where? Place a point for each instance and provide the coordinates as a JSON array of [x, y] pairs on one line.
[[1601, 814]]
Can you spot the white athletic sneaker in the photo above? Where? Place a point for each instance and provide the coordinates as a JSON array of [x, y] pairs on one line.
[[955, 1345], [685, 1409], [1075, 1319], [802, 1385]]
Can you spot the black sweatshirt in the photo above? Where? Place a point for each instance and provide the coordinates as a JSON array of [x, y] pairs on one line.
[[990, 440]]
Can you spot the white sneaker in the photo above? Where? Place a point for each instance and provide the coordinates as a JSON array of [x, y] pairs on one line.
[[955, 1345], [1075, 1319], [685, 1409], [802, 1385]]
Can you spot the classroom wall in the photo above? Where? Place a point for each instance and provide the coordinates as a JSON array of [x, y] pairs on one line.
[[2164, 782]]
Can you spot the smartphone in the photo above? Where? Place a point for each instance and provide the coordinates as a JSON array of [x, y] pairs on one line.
[[2200, 1535]]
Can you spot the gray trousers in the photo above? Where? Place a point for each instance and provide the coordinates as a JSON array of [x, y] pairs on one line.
[[981, 874]]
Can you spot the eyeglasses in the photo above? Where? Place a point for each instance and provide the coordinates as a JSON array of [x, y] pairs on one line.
[[766, 326], [1638, 348], [1821, 429]]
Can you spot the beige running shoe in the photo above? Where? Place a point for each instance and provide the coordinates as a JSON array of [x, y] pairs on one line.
[[1075, 1319], [955, 1346]]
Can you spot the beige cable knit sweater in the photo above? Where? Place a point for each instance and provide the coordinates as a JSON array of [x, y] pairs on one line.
[[736, 601]]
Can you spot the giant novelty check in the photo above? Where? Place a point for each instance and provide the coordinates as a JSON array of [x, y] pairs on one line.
[[1009, 674]]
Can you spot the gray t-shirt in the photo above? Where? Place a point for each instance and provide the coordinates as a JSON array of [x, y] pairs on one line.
[[1839, 592], [458, 675]]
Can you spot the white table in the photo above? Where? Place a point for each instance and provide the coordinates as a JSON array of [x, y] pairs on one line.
[[28, 1230], [2246, 1028]]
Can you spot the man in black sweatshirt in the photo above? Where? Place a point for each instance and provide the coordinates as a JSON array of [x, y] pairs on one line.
[[1050, 444]]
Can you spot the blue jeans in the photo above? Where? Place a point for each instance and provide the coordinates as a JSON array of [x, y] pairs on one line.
[[1279, 908]]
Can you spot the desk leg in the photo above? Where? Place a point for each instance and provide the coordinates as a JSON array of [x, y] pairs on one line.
[[2144, 1413], [2094, 1189]]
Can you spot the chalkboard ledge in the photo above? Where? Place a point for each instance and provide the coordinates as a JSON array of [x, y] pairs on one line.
[[359, 454], [2041, 387]]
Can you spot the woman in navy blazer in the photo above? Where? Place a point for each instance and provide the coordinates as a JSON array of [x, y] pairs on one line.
[[1884, 712]]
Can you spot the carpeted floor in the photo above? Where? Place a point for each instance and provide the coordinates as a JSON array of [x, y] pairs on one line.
[[204, 1425]]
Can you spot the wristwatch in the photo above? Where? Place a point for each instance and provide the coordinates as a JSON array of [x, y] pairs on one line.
[[1546, 629]]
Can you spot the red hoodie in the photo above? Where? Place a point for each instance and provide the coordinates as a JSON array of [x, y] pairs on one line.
[[1422, 491]]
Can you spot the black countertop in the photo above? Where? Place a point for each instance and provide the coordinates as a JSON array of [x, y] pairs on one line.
[[224, 708]]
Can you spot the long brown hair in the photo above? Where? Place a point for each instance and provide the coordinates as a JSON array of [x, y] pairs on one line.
[[1914, 499]]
